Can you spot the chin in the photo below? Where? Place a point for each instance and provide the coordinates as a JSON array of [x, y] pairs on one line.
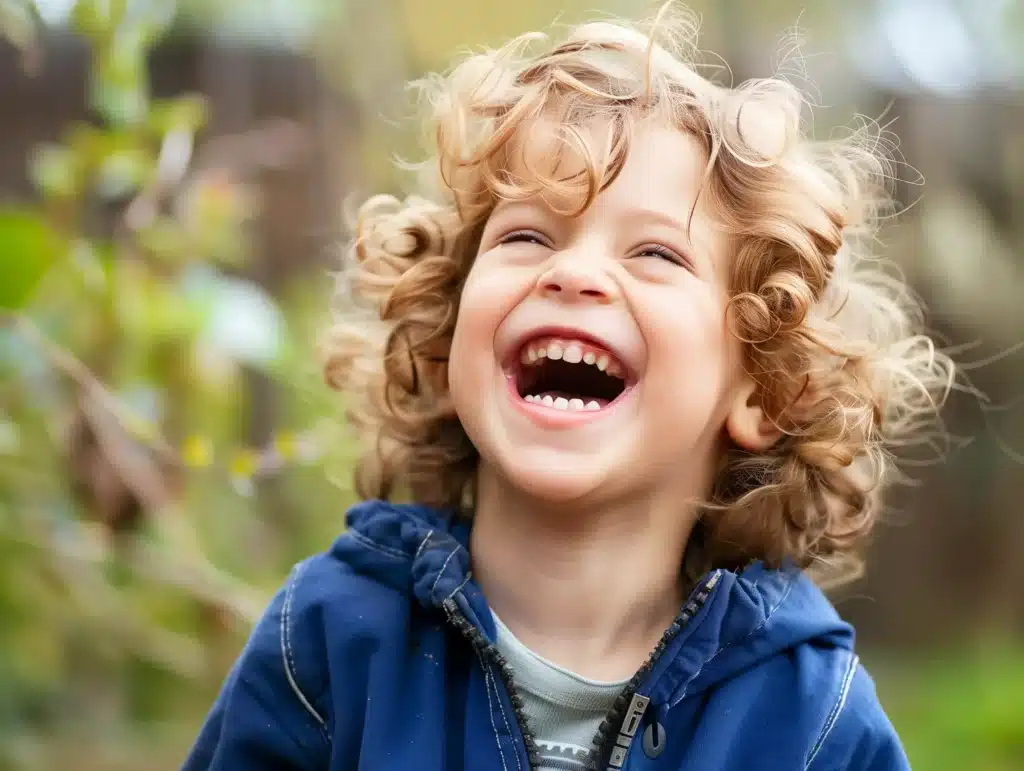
[[549, 476]]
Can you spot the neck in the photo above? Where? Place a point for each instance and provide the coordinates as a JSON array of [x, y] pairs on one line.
[[591, 588]]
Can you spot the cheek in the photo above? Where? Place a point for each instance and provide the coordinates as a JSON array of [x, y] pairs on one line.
[[466, 345], [491, 293], [482, 306], [477, 303], [465, 374], [690, 354]]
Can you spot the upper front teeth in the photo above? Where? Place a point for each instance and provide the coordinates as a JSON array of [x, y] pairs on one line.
[[573, 352]]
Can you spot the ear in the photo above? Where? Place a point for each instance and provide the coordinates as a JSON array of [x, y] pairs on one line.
[[747, 424]]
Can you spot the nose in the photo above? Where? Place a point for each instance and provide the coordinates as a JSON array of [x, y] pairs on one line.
[[575, 278]]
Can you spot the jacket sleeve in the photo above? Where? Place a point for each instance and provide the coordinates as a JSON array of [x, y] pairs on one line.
[[859, 735], [262, 719]]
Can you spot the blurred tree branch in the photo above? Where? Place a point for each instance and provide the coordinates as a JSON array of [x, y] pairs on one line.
[[19, 24], [127, 440]]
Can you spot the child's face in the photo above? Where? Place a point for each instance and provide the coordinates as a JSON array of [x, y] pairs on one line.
[[626, 288]]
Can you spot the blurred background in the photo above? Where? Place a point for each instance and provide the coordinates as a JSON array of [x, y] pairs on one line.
[[172, 177]]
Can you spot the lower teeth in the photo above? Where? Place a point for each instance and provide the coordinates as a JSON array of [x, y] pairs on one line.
[[561, 403]]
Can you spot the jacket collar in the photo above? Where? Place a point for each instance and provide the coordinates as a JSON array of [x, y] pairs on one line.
[[415, 549], [750, 615]]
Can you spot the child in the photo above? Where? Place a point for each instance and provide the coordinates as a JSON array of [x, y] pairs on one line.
[[639, 377]]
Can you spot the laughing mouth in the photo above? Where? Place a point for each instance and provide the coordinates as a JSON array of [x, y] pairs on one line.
[[570, 375]]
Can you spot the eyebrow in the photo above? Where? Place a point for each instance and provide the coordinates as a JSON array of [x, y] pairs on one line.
[[651, 216], [660, 218]]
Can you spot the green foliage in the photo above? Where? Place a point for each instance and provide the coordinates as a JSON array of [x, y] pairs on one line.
[[121, 35], [27, 249], [126, 342], [962, 710]]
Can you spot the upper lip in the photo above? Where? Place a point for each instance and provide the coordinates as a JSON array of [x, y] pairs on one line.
[[569, 333]]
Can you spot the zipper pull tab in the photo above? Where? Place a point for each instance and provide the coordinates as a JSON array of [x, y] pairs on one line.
[[630, 725], [654, 731]]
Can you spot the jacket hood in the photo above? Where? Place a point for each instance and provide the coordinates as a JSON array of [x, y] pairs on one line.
[[734, 620]]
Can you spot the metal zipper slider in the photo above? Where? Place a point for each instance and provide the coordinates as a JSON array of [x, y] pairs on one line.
[[630, 724]]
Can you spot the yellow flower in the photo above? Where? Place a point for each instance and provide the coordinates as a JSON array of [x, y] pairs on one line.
[[243, 464], [286, 446], [197, 452]]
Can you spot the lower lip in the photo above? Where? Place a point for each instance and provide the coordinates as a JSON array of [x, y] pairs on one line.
[[552, 417]]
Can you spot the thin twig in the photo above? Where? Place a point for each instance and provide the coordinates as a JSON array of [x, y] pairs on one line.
[[266, 460], [75, 369], [193, 573], [202, 581]]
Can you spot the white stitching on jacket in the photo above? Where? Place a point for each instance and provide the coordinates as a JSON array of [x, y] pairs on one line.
[[504, 718], [422, 544], [377, 547], [286, 648], [488, 679], [457, 589], [490, 705], [759, 627], [837, 708], [444, 567]]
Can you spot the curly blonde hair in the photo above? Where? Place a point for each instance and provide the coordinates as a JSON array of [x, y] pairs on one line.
[[832, 339]]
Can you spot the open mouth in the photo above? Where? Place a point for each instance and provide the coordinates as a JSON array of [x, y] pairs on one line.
[[569, 375]]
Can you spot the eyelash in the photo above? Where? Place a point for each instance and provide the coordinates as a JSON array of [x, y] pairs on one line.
[[528, 236], [523, 237], [664, 253]]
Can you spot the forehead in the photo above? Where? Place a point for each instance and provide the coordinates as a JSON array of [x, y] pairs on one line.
[[665, 169]]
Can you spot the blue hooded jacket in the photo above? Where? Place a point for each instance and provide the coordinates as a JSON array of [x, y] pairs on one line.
[[379, 655]]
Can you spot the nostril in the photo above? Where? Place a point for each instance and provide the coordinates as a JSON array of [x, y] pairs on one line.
[[574, 284]]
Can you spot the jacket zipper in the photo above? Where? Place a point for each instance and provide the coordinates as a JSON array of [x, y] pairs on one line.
[[617, 730], [493, 657]]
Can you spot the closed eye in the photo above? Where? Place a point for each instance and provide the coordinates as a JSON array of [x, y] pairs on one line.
[[524, 237], [664, 253]]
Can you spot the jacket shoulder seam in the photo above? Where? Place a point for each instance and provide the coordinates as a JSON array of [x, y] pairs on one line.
[[732, 643], [286, 650], [837, 708], [378, 547]]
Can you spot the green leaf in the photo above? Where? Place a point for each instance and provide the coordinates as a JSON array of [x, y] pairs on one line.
[[27, 249], [166, 240], [91, 18], [122, 172], [119, 89], [184, 113], [54, 170]]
